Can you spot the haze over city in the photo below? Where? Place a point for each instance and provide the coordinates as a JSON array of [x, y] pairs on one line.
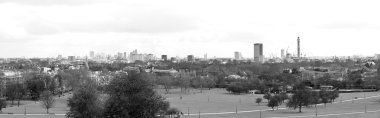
[[47, 28]]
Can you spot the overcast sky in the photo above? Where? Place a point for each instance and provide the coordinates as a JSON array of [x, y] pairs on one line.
[[46, 28]]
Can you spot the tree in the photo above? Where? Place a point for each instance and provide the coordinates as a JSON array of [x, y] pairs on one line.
[[131, 96], [237, 87], [3, 103], [315, 98], [85, 103], [273, 102], [325, 96], [333, 95], [172, 111], [10, 92], [259, 100], [166, 82], [267, 96], [34, 84], [301, 97], [47, 100]]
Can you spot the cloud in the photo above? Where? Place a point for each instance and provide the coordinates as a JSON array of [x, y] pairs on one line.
[[347, 25], [41, 28], [50, 2], [151, 22]]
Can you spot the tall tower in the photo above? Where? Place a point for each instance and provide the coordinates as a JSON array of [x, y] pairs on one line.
[[258, 52], [282, 53], [298, 47]]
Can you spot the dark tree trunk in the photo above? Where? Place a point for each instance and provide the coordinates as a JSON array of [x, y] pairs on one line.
[[300, 107]]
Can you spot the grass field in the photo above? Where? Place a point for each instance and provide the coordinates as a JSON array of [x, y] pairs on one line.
[[218, 103]]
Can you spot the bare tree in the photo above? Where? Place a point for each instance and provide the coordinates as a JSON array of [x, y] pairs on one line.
[[48, 100]]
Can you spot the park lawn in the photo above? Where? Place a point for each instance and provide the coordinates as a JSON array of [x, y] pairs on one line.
[[60, 107], [218, 100], [22, 102]]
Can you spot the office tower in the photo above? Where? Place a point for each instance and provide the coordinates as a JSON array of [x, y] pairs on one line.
[[258, 52], [190, 57], [238, 56], [205, 56], [164, 57], [125, 55], [92, 54], [298, 47], [282, 53], [71, 58], [59, 57]]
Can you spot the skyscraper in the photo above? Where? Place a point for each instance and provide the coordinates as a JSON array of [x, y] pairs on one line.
[[92, 54], [282, 53], [298, 47], [190, 57], [258, 52], [164, 57], [238, 56]]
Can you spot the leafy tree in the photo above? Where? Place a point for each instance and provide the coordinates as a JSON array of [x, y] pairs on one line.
[[85, 103], [183, 82], [301, 97], [333, 95], [315, 98], [283, 96], [273, 102], [131, 96], [48, 100], [35, 86], [259, 100], [172, 111], [166, 82], [267, 96], [3, 103], [278, 98], [10, 91], [325, 96], [237, 87]]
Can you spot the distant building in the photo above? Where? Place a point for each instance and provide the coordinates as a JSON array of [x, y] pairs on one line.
[[298, 47], [238, 56], [92, 54], [190, 57], [133, 56], [377, 56], [258, 53], [282, 53], [205, 56], [71, 58], [59, 57], [119, 55], [164, 57], [125, 55]]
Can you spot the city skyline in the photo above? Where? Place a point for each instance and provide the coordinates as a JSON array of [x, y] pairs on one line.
[[74, 27]]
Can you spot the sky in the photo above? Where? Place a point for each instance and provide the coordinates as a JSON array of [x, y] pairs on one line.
[[47, 28]]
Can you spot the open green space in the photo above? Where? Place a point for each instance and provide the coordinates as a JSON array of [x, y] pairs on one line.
[[218, 103]]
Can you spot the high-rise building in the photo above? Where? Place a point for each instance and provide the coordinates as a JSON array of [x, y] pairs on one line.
[[71, 58], [190, 57], [125, 55], [258, 52], [164, 57], [119, 55], [92, 54], [298, 47], [59, 57], [282, 53], [238, 55], [205, 56]]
